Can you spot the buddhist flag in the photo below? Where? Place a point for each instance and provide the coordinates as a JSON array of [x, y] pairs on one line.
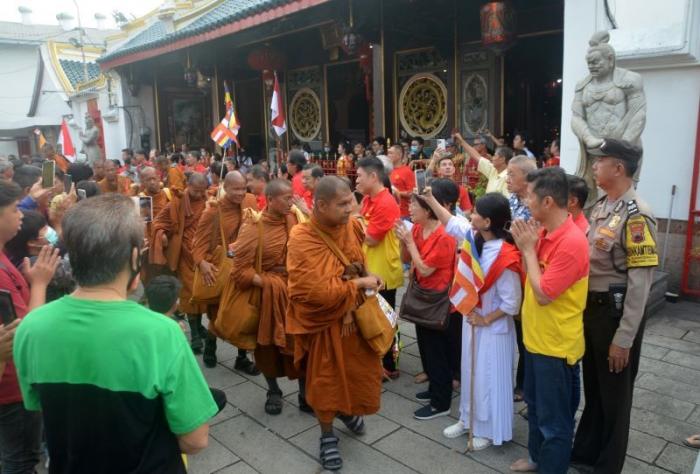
[[226, 132], [66, 143], [279, 122], [42, 140], [469, 277]]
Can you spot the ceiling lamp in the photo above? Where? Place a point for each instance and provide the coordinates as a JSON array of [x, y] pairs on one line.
[[498, 25]]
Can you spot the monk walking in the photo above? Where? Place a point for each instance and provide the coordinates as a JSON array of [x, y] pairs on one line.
[[112, 182], [172, 243], [343, 374], [150, 187], [274, 354], [227, 212]]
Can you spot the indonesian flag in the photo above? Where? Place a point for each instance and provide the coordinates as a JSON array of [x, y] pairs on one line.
[[279, 123], [66, 143], [469, 278]]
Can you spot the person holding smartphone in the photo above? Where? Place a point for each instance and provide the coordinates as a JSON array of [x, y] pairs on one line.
[[20, 429]]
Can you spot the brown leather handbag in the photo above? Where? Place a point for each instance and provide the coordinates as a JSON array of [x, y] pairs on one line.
[[369, 316], [240, 326], [203, 293], [426, 308]]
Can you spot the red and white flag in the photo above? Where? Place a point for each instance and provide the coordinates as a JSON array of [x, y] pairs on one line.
[[66, 143], [279, 123]]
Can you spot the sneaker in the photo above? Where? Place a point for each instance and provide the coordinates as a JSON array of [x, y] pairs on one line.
[[455, 431], [423, 397], [480, 443], [428, 413]]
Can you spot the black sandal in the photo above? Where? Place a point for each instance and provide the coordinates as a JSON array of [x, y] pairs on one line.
[[330, 456], [246, 366], [356, 424], [273, 405]]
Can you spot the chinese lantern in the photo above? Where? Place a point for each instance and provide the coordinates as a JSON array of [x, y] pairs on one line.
[[498, 26], [266, 60]]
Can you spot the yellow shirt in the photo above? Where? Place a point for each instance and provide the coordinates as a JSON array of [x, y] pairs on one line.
[[497, 181]]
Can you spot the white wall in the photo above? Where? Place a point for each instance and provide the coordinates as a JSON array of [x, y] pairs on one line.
[[673, 95], [8, 147]]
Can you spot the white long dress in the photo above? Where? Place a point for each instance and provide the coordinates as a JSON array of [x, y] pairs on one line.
[[495, 350]]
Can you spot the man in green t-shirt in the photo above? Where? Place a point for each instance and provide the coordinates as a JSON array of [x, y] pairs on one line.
[[117, 384]]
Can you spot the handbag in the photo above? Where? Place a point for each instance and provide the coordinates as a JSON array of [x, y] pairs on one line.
[[203, 293], [426, 308], [240, 326], [374, 325]]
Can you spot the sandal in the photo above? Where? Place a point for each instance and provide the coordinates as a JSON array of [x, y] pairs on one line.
[[518, 396], [421, 378], [356, 424], [692, 441], [330, 456], [273, 405], [246, 366]]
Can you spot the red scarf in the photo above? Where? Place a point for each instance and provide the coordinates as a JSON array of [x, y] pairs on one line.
[[508, 259]]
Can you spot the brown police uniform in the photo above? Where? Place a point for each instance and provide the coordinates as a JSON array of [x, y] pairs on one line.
[[622, 247]]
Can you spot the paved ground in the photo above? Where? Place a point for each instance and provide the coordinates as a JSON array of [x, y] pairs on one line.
[[246, 440]]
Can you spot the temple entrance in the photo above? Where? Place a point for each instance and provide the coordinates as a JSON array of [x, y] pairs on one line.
[[249, 98], [348, 105]]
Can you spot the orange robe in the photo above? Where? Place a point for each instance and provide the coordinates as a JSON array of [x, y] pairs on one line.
[[275, 350], [122, 186], [175, 180], [343, 374], [178, 221], [61, 162], [160, 200]]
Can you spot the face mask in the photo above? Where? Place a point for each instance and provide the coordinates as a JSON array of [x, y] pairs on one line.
[[51, 236], [414, 149]]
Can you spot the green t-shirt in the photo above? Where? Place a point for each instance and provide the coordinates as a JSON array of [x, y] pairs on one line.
[[112, 373]]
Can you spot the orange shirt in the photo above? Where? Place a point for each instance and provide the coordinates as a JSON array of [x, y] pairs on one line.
[[582, 223], [381, 213], [403, 179], [298, 188]]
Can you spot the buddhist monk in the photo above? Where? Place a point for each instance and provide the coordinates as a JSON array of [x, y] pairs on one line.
[[112, 182], [343, 374], [150, 186], [170, 174], [98, 170], [49, 153], [274, 354], [229, 212], [172, 243]]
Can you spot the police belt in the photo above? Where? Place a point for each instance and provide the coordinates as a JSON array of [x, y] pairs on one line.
[[600, 298]]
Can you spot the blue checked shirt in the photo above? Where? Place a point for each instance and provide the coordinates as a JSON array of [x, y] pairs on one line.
[[518, 210]]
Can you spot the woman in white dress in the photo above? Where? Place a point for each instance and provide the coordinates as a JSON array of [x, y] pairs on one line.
[[494, 331]]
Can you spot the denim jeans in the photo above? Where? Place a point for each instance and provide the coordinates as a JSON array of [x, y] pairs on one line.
[[575, 388], [548, 382], [20, 436]]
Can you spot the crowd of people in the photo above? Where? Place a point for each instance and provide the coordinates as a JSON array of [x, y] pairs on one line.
[[291, 265]]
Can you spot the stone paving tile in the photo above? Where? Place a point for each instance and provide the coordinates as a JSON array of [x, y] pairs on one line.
[[670, 371], [410, 365], [376, 428], [217, 457], [692, 336], [499, 457], [427, 456], [229, 411], [239, 468], [411, 349], [220, 377], [675, 389], [250, 399], [671, 343], [661, 329], [684, 359], [357, 457], [694, 418], [635, 466], [677, 458], [661, 426], [408, 329], [661, 404], [643, 446], [654, 352], [261, 448]]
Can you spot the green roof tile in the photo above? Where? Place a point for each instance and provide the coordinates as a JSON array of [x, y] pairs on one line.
[[74, 71]]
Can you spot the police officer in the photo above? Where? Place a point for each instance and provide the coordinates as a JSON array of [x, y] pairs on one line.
[[622, 244]]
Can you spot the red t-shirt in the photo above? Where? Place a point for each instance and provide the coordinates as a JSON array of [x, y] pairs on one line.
[[13, 281], [438, 251], [465, 204], [582, 223], [262, 202], [298, 188], [552, 161], [403, 179], [381, 213], [309, 199]]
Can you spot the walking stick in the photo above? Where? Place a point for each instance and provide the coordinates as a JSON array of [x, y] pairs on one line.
[[470, 443]]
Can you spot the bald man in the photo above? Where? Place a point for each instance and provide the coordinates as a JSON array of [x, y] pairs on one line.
[[150, 186], [112, 182], [171, 176], [172, 244], [343, 373], [208, 250]]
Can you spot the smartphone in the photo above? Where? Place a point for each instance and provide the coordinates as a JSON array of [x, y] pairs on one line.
[[146, 208], [48, 172], [420, 180], [81, 194], [7, 307], [442, 143], [67, 183]]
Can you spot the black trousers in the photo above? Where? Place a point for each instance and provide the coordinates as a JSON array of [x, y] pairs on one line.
[[435, 350], [520, 371], [388, 361], [454, 338], [602, 434]]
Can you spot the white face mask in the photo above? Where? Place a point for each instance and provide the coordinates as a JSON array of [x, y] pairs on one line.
[[51, 236]]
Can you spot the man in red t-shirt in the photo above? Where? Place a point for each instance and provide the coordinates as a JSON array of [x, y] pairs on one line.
[[20, 429], [446, 169], [295, 164], [403, 181], [309, 178], [578, 193]]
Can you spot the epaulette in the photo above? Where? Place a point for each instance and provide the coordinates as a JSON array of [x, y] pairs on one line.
[[632, 208]]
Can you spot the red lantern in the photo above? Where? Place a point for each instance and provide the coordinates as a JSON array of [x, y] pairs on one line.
[[498, 25], [266, 58]]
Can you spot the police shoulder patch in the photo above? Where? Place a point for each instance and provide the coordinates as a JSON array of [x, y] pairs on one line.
[[639, 243]]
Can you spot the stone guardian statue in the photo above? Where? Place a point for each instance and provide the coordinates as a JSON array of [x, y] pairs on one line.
[[89, 137], [608, 103]]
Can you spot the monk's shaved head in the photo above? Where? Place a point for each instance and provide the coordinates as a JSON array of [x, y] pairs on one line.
[[234, 177], [197, 179], [330, 187], [277, 187]]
